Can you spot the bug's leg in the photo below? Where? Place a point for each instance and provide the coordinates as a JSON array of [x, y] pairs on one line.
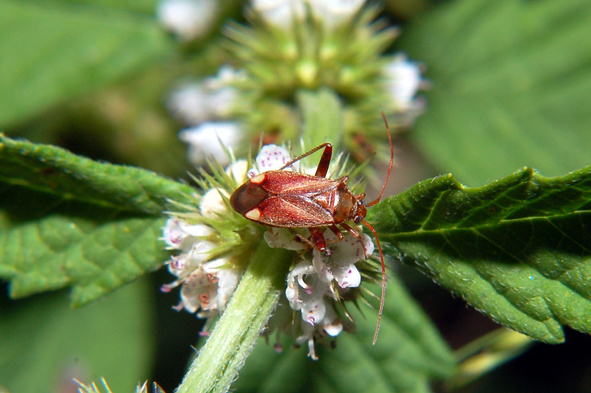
[[303, 239], [334, 229], [324, 163], [318, 240], [350, 230]]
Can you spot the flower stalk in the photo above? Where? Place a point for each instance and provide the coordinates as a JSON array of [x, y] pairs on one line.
[[241, 324]]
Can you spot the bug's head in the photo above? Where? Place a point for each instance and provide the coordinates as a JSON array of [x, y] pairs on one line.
[[360, 214], [247, 197], [360, 210]]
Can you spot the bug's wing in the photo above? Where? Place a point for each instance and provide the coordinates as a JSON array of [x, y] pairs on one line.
[[293, 211], [286, 182]]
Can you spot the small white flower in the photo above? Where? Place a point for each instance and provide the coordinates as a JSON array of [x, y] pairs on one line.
[[176, 231], [193, 104], [214, 98], [403, 81], [198, 291], [334, 13], [280, 238], [331, 325], [344, 255], [237, 170], [225, 77], [188, 19], [280, 13], [189, 104], [306, 292], [204, 141], [184, 264], [228, 280], [212, 204], [270, 158]]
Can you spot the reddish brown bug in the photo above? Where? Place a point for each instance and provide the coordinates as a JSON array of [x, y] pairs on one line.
[[295, 200]]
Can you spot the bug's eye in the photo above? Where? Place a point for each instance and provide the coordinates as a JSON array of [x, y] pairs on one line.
[[357, 219]]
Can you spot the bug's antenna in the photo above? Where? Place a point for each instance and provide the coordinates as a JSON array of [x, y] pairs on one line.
[[375, 336], [389, 166]]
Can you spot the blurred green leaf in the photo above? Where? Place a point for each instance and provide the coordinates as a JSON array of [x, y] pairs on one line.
[[519, 249], [511, 86], [53, 51], [322, 113], [408, 353], [145, 6], [70, 221], [45, 343]]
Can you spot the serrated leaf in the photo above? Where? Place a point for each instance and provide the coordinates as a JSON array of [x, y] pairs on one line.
[[56, 171], [510, 86], [46, 343], [52, 51], [70, 221], [519, 249], [409, 352]]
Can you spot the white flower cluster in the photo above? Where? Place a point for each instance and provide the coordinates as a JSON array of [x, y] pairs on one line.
[[188, 19], [207, 106], [402, 82], [315, 284], [282, 13], [207, 283]]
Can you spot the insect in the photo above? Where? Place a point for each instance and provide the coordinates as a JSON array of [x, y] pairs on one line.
[[289, 199]]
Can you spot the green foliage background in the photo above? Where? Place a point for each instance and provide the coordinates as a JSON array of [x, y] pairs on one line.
[[511, 85]]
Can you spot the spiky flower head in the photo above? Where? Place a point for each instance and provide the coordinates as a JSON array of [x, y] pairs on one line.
[[215, 242], [297, 45], [290, 47]]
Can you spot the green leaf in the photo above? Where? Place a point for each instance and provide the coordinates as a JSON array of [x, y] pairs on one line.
[[53, 51], [322, 113], [510, 86], [46, 343], [70, 221], [518, 249], [144, 6], [56, 171], [408, 353]]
